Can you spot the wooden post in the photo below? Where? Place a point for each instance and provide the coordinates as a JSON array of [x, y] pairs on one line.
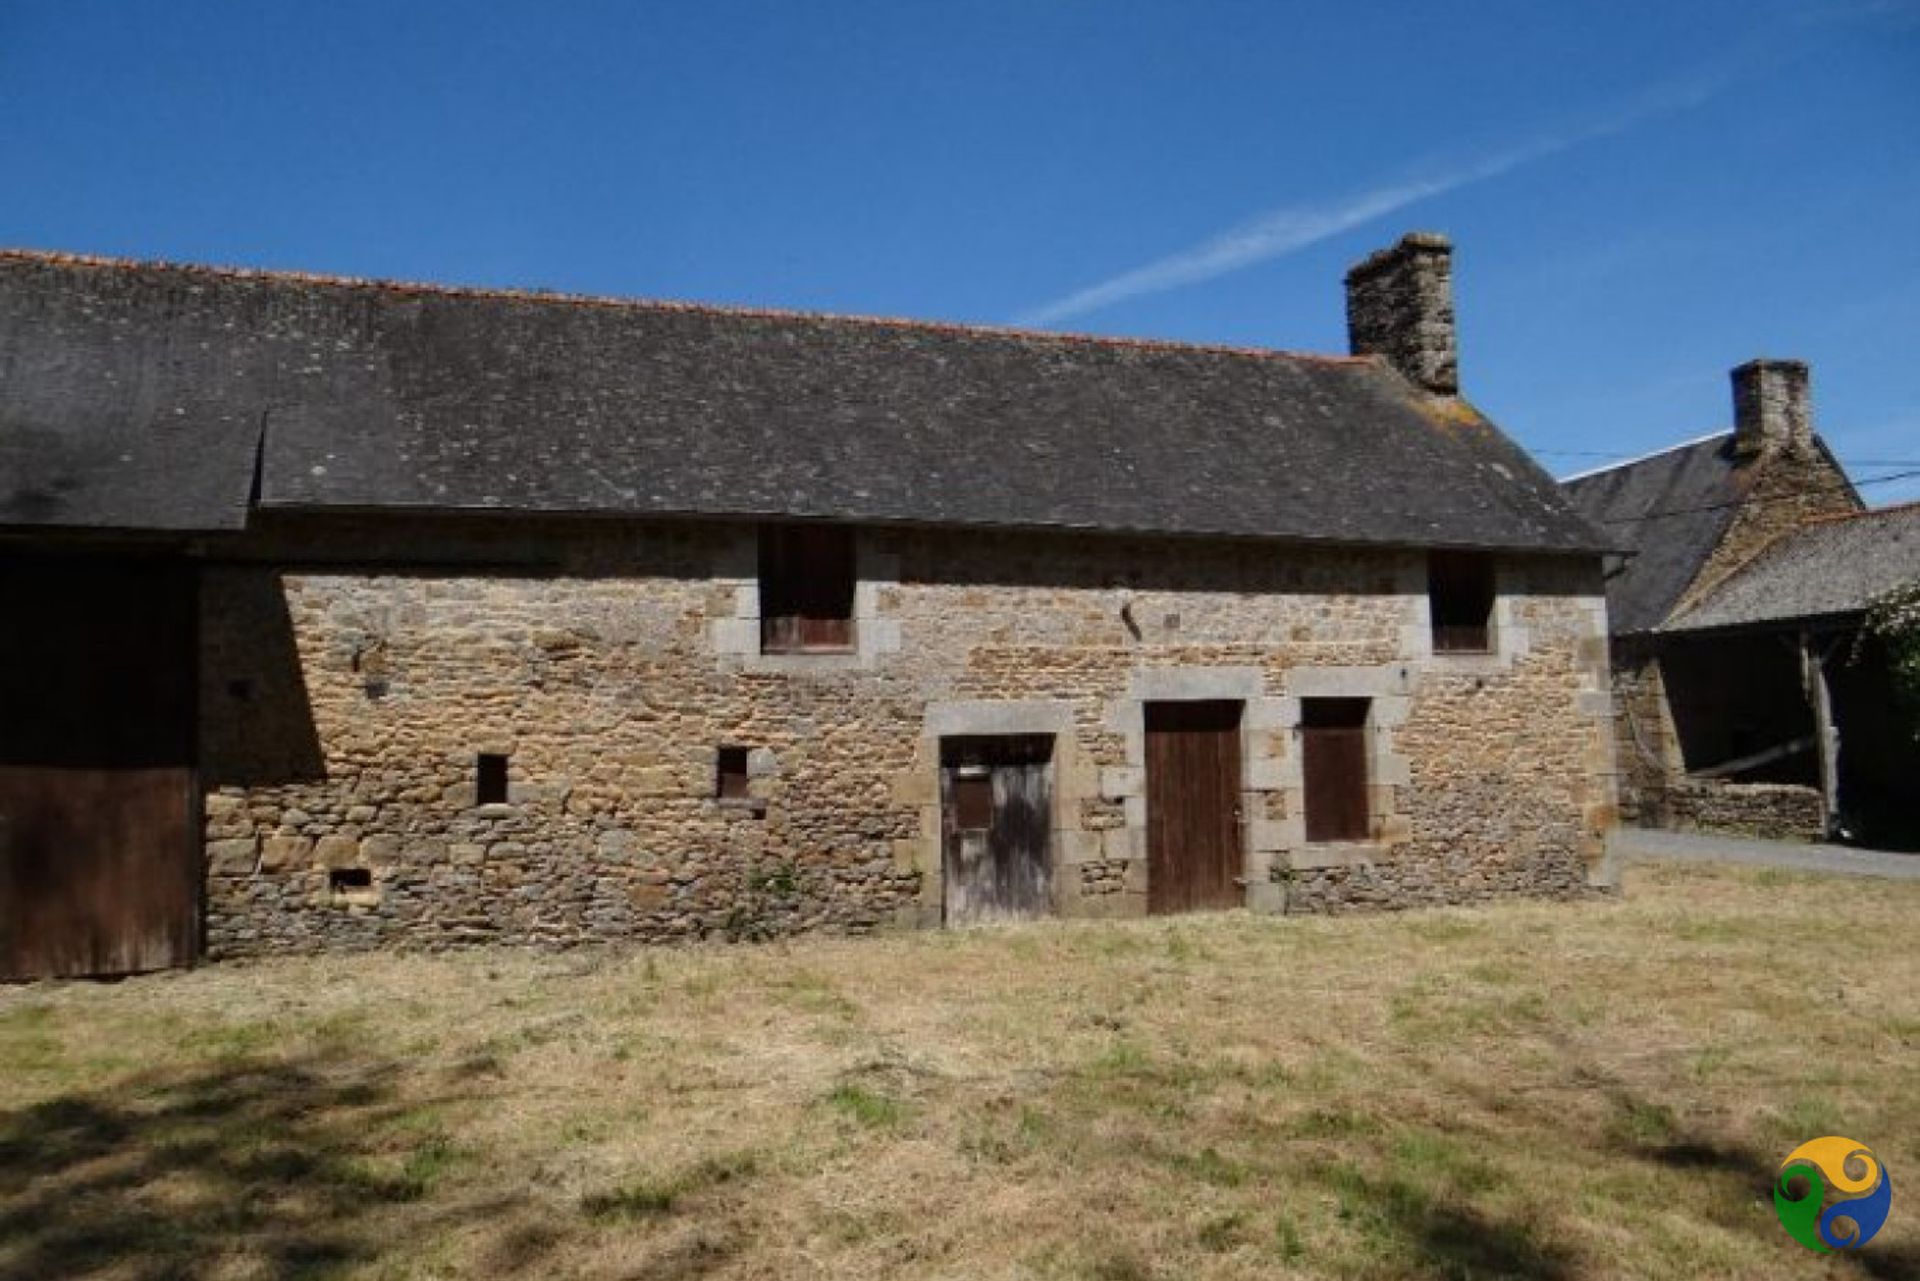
[[1826, 736]]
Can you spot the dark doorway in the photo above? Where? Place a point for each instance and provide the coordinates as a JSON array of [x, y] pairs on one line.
[[1738, 696], [1194, 858], [99, 847], [996, 802]]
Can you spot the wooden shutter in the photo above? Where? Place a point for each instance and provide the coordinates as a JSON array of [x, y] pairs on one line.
[[807, 579], [1460, 600], [1333, 736]]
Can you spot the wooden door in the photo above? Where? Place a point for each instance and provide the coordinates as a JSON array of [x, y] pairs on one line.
[[1194, 853], [996, 797], [1333, 766], [99, 851]]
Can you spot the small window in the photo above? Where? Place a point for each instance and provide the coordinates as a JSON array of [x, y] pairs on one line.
[[972, 798], [342, 879], [490, 787], [1460, 600], [1333, 733], [807, 582], [730, 774]]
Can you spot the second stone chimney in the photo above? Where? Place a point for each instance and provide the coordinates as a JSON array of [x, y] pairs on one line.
[[1400, 306], [1772, 413]]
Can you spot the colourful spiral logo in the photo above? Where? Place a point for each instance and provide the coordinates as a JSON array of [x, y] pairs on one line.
[[1836, 1170]]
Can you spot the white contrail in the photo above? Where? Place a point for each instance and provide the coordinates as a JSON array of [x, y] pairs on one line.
[[1296, 226]]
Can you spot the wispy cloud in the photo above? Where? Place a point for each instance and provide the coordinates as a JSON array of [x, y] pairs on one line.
[[1292, 227]]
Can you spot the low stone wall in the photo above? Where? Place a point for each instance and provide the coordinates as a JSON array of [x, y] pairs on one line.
[[1771, 811]]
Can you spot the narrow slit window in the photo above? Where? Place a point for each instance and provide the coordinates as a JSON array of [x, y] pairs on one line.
[[1333, 733], [1460, 600], [490, 785], [730, 774], [807, 580], [341, 879]]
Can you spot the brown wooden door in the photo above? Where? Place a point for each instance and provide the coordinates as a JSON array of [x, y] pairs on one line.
[[99, 853], [1194, 856], [996, 799], [1333, 765], [99, 872]]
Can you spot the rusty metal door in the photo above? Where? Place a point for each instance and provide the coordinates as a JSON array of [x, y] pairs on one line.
[[996, 799], [99, 848], [1194, 852], [1333, 765]]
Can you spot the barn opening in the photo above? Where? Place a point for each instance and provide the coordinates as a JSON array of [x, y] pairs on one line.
[[1333, 766], [807, 582], [1195, 856], [100, 859], [996, 802], [1460, 601], [1740, 708]]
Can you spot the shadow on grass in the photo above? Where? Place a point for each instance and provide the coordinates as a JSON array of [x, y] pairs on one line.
[[1737, 1175], [1753, 1171], [1442, 1235], [288, 1168]]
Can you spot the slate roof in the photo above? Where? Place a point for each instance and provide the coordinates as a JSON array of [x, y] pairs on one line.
[[1670, 511], [135, 395], [1826, 568]]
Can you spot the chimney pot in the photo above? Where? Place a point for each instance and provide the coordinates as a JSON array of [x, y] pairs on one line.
[[1400, 306], [1772, 408]]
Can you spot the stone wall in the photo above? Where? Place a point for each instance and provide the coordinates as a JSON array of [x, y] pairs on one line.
[[1646, 742], [345, 701], [1772, 811]]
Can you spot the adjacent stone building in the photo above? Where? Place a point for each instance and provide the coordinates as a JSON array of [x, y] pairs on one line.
[[360, 614], [1729, 657]]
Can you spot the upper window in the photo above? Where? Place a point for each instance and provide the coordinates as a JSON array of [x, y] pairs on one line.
[[1460, 599], [807, 582]]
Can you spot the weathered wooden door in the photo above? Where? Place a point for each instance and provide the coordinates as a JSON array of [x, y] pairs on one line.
[[99, 848], [996, 800], [1194, 853]]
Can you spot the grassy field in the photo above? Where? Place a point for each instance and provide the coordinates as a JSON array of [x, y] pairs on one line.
[[1530, 1090]]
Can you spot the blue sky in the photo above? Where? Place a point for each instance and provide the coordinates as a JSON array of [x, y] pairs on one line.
[[1641, 194]]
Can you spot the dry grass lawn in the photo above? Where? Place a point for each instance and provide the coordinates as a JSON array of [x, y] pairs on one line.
[[1597, 1089]]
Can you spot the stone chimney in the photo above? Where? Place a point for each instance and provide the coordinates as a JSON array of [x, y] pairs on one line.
[[1400, 306], [1772, 413]]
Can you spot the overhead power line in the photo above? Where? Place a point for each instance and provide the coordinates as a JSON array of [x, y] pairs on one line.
[[1761, 502], [1608, 453]]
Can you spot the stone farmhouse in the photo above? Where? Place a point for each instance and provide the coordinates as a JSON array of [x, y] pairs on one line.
[[1747, 700], [354, 614]]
